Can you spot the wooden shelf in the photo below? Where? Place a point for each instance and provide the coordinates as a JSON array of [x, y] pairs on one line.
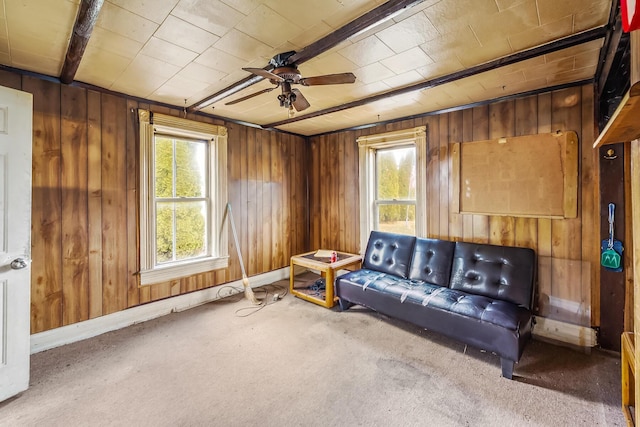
[[623, 126]]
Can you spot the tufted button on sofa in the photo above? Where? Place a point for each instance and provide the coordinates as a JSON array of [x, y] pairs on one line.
[[479, 294]]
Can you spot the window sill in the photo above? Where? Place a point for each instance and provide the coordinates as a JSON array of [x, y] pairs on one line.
[[163, 274]]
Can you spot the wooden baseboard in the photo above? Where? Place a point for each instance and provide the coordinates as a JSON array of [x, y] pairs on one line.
[[581, 336], [90, 328]]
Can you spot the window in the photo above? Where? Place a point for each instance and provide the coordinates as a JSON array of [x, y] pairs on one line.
[[393, 183], [183, 197]]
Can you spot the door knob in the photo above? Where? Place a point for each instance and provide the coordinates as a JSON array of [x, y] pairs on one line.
[[18, 264]]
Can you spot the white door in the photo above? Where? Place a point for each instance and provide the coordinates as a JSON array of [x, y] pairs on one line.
[[15, 243]]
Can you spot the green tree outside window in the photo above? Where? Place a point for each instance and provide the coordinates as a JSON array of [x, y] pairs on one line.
[[181, 198]]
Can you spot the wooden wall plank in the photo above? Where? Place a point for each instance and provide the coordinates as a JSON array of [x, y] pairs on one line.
[[480, 131], [132, 153], [443, 180], [285, 254], [433, 177], [277, 193], [267, 202], [46, 213], [340, 243], [502, 124], [589, 200], [75, 256], [249, 254], [467, 136], [114, 204], [94, 188], [566, 236], [526, 123], [235, 142], [456, 226]]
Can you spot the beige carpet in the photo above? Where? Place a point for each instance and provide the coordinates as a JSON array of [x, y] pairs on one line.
[[294, 363]]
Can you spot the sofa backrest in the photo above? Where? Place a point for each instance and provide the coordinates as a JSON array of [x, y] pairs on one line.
[[498, 272], [389, 253], [432, 260]]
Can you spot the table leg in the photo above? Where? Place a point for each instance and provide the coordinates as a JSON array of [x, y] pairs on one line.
[[328, 292]]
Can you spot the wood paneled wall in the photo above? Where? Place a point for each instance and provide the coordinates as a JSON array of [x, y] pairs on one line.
[[85, 203], [568, 249]]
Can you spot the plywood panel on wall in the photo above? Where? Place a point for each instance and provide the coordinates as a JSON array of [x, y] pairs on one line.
[[566, 248], [85, 203], [523, 176]]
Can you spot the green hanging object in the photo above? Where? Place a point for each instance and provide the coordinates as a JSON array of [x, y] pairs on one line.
[[611, 248]]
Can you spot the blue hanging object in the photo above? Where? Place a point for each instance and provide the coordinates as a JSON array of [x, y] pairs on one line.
[[611, 258]]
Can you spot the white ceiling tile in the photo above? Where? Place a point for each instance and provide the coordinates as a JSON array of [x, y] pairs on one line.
[[245, 47], [266, 25], [137, 84], [405, 79], [373, 73], [514, 20], [211, 15], [333, 63], [305, 14], [407, 60], [109, 41], [542, 34], [244, 6], [154, 10], [167, 52], [221, 61], [101, 67], [201, 73], [449, 16], [143, 64], [366, 51], [411, 32], [38, 33], [553, 10], [125, 23], [179, 88], [185, 34]]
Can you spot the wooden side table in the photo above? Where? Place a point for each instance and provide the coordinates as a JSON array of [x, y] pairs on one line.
[[327, 271]]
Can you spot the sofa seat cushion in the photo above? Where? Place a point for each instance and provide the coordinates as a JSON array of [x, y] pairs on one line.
[[500, 313]]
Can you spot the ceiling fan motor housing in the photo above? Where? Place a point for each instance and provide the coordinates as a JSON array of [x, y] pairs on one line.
[[289, 74]]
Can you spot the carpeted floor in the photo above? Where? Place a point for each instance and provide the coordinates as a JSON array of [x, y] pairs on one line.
[[294, 363]]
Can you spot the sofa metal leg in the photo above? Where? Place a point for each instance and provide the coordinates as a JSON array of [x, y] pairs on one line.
[[344, 304], [507, 368]]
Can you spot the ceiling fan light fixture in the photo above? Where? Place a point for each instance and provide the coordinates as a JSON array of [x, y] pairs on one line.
[[291, 112]]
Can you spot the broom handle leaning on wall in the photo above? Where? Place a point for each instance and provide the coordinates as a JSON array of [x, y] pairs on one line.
[[235, 240]]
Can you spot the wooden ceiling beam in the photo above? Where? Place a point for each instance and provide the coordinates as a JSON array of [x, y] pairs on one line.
[[82, 29], [374, 17], [544, 49]]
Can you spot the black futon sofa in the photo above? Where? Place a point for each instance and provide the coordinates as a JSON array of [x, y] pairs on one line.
[[479, 294]]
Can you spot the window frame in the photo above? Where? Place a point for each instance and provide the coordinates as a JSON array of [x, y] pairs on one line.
[[367, 147], [218, 256]]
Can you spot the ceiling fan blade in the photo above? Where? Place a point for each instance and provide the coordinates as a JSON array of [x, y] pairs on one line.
[[244, 98], [301, 102], [264, 73], [329, 79]]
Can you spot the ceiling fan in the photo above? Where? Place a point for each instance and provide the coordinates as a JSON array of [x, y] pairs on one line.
[[285, 74]]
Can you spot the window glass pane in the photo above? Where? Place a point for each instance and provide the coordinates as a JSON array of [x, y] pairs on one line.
[[191, 220], [190, 168], [397, 219], [395, 172], [164, 232], [164, 166]]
